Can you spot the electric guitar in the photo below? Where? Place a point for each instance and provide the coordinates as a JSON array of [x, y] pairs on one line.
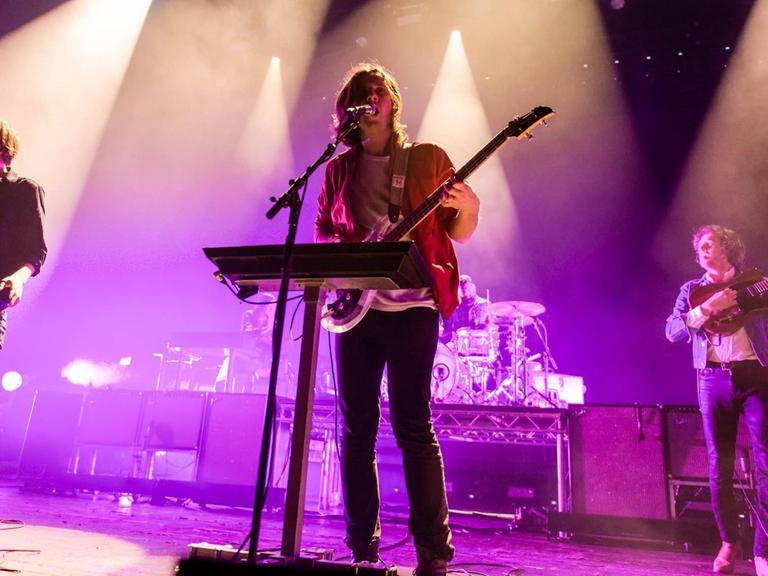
[[751, 289], [346, 308]]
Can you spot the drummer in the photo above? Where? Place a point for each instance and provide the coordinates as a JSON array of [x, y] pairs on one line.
[[472, 311]]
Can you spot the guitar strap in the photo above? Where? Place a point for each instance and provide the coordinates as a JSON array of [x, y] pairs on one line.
[[399, 170]]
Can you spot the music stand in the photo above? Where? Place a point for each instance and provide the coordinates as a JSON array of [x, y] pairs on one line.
[[315, 268]]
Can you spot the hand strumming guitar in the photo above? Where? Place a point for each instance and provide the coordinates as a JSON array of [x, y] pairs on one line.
[[719, 301]]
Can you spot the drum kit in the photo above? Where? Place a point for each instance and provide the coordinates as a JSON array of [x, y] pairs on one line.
[[492, 365]]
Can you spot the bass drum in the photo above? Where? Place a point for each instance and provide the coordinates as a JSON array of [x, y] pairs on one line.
[[449, 380]]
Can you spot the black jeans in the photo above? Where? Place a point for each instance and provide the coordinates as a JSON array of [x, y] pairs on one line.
[[723, 396], [406, 343]]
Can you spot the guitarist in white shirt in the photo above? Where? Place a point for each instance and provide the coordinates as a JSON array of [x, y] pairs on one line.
[[400, 331], [732, 378]]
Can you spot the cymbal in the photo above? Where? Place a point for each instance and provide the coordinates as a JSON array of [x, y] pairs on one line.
[[508, 321], [511, 309]]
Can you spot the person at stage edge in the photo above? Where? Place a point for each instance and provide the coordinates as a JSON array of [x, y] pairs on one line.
[[732, 377], [22, 219], [472, 311], [401, 329]]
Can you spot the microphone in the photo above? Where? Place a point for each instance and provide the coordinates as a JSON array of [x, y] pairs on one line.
[[364, 110]]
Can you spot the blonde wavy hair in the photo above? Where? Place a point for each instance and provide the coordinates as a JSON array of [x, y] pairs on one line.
[[9, 142]]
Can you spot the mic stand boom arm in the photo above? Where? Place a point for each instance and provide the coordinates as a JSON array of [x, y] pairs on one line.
[[290, 196]]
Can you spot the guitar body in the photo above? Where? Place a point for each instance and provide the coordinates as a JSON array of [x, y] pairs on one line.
[[748, 284], [347, 307]]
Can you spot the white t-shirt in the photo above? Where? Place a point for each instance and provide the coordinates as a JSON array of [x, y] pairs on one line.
[[369, 201]]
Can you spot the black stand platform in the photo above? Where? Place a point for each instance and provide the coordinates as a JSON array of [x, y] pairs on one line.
[[278, 566]]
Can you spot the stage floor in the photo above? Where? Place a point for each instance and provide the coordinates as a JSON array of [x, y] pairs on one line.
[[89, 535]]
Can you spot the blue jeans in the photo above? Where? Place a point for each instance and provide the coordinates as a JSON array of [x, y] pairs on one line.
[[724, 395], [406, 343]]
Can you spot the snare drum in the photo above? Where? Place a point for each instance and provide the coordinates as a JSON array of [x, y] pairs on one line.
[[481, 342]]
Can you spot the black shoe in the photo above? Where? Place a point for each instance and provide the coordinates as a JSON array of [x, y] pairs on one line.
[[378, 563], [368, 553], [431, 568]]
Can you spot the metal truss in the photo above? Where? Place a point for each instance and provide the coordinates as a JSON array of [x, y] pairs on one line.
[[489, 424], [498, 424]]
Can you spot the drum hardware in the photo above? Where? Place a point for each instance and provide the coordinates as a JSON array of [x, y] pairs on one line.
[[478, 342], [493, 364], [516, 388], [544, 398], [550, 397], [481, 375]]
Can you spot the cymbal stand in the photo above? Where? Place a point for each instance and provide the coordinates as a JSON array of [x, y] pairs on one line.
[[549, 360], [520, 360], [494, 353]]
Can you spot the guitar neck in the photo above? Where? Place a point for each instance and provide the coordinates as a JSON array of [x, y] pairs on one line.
[[749, 285], [759, 288], [433, 200]]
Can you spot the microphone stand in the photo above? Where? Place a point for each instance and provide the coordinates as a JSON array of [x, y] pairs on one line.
[[548, 358], [294, 201]]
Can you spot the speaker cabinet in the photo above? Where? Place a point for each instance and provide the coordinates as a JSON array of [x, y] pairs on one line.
[[110, 417], [232, 445], [50, 435], [687, 448], [15, 408], [173, 420], [617, 461], [230, 451]]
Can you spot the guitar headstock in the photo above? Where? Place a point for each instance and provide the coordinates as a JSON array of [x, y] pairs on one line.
[[522, 126]]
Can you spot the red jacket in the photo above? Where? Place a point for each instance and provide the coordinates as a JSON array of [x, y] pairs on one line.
[[428, 167]]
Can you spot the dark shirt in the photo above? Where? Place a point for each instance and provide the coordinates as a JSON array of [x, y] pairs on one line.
[[470, 314], [22, 218]]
